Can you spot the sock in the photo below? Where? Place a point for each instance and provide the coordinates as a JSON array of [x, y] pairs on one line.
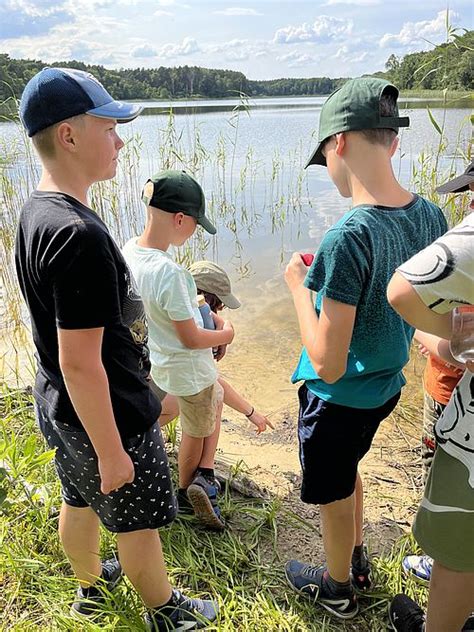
[[169, 604], [208, 472], [359, 558], [334, 587]]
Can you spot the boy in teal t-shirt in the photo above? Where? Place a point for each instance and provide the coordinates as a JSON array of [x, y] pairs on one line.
[[355, 345]]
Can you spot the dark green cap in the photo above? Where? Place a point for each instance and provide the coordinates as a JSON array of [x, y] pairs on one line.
[[177, 192], [356, 106]]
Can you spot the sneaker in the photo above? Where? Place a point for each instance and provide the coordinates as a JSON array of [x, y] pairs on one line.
[[469, 625], [419, 567], [405, 615], [360, 573], [202, 494], [184, 614], [308, 581], [89, 600]]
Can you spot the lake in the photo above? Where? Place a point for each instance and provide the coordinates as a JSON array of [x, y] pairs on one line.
[[264, 203]]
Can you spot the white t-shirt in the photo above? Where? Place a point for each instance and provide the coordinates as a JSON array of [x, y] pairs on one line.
[[169, 294], [443, 277]]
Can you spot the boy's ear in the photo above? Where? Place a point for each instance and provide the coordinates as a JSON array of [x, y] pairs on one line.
[[340, 143], [394, 146], [178, 218], [66, 136]]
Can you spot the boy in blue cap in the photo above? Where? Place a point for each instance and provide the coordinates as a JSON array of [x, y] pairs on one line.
[[355, 345], [93, 400]]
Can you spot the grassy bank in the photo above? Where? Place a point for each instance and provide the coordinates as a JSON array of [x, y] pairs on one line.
[[241, 568]]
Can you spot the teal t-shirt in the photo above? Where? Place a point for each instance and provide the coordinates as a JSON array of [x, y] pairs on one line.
[[353, 265]]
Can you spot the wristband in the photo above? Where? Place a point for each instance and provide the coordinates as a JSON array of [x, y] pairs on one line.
[[250, 413]]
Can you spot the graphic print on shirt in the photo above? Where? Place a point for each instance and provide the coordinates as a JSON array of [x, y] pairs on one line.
[[455, 428], [134, 317]]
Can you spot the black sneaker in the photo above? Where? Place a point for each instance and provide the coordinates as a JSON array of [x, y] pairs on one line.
[[360, 573], [405, 615], [202, 494], [469, 625], [89, 600], [308, 581], [184, 614]]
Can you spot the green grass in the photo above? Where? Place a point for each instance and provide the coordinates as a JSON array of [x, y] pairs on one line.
[[241, 568]]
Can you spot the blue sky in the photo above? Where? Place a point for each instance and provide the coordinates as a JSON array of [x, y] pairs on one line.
[[262, 38]]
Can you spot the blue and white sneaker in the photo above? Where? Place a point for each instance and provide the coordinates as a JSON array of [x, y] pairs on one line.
[[308, 581], [419, 567], [182, 614], [202, 494]]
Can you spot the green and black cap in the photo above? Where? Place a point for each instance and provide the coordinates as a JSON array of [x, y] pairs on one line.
[[356, 106], [177, 192]]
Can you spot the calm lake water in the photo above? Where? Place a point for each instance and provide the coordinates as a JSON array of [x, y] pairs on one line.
[[254, 159]]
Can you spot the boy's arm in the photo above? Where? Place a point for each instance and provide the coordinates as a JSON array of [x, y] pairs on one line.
[[327, 338], [405, 300], [195, 337], [438, 347], [88, 387]]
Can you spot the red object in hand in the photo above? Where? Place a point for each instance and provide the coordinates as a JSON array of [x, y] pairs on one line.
[[307, 258]]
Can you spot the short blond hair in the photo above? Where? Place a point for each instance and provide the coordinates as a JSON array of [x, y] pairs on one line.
[[43, 140]]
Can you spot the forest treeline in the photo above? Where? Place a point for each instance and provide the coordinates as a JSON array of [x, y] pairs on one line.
[[446, 66]]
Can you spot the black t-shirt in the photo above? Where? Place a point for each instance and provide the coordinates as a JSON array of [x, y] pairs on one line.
[[73, 276]]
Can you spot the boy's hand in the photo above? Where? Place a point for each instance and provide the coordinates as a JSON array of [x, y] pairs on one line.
[[295, 272], [260, 421], [115, 472], [220, 353]]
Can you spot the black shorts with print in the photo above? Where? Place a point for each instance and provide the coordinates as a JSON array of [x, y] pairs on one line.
[[147, 503]]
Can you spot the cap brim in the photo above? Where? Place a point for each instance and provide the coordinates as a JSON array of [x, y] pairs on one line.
[[206, 224], [457, 185], [317, 157], [229, 301], [119, 110]]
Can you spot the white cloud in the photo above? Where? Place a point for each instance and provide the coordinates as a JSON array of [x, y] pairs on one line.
[[235, 11], [413, 33], [172, 3], [324, 29], [161, 13], [295, 59], [356, 3], [145, 50], [188, 46]]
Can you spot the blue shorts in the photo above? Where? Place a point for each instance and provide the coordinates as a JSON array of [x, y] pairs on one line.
[[333, 439], [147, 503]]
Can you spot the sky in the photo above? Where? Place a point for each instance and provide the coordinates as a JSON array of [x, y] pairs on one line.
[[262, 38]]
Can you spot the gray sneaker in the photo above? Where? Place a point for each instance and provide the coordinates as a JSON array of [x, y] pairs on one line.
[[89, 600]]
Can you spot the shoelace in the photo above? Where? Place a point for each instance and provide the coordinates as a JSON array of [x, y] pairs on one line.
[[310, 571]]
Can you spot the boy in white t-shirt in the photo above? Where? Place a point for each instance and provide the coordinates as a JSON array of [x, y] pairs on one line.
[[180, 348]]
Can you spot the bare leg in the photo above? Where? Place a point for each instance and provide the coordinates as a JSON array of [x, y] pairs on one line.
[[142, 560], [339, 536], [169, 410], [79, 533], [210, 443], [451, 599], [189, 457], [359, 511]]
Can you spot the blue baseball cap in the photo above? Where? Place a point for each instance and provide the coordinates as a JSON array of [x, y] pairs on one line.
[[55, 94]]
